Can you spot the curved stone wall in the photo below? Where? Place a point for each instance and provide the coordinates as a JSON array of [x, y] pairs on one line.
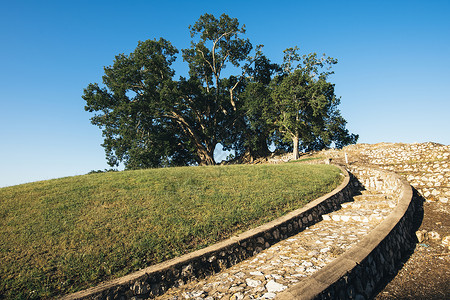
[[155, 280], [357, 273]]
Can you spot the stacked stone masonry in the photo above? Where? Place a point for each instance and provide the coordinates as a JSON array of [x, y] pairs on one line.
[[358, 272], [426, 166]]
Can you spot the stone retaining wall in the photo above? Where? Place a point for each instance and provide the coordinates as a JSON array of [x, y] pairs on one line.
[[358, 272], [155, 280], [426, 166]]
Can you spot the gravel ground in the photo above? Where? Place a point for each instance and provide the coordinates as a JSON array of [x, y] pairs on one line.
[[426, 273]]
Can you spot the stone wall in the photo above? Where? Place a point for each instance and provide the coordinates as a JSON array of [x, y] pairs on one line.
[[358, 272], [155, 280], [426, 166]]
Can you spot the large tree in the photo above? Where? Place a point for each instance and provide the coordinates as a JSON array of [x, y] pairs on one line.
[[132, 106], [216, 43], [148, 119], [307, 105]]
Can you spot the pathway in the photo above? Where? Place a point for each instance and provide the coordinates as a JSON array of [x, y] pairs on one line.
[[289, 261]]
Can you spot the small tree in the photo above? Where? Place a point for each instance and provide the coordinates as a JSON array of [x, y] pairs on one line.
[[306, 103]]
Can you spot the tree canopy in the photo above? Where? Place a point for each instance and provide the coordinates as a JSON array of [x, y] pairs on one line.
[[149, 119], [307, 105]]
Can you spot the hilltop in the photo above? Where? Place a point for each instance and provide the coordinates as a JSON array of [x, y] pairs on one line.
[[426, 166], [63, 235]]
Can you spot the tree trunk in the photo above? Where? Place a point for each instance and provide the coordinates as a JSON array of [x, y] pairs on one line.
[[295, 142], [206, 158], [260, 149]]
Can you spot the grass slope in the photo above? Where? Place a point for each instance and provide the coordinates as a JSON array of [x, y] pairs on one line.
[[63, 235]]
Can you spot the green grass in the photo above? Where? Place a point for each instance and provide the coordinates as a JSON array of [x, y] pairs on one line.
[[63, 235]]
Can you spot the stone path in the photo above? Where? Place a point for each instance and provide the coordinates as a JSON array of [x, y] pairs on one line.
[[426, 166], [287, 262]]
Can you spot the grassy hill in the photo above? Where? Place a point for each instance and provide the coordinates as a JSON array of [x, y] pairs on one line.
[[63, 235]]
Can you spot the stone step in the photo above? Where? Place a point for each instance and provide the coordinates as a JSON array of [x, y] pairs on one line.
[[372, 196], [369, 204], [362, 210], [355, 217]]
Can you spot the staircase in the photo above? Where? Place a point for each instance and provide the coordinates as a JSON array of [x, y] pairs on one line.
[[294, 259]]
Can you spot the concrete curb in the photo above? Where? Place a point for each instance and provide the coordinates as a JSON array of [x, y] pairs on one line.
[[357, 273], [156, 279]]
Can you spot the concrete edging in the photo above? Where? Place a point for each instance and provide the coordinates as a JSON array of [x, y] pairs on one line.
[[156, 279], [357, 272]]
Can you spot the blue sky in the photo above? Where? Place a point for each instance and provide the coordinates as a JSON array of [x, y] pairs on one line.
[[393, 71]]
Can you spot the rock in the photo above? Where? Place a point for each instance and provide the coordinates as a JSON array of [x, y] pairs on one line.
[[434, 235], [307, 264], [237, 296], [187, 270], [236, 288], [446, 241], [268, 296], [443, 199], [257, 273], [421, 235], [193, 294], [140, 288], [336, 218], [273, 287], [345, 218], [252, 282]]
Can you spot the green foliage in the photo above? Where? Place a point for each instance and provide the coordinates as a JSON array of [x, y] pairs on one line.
[[131, 109], [67, 234], [102, 171], [258, 112], [307, 105], [149, 119]]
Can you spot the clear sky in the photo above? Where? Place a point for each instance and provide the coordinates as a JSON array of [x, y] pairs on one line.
[[393, 73]]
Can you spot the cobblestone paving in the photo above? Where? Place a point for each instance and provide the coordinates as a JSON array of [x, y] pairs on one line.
[[287, 262]]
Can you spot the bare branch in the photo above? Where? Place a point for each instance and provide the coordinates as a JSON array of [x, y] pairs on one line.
[[233, 104], [204, 58]]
